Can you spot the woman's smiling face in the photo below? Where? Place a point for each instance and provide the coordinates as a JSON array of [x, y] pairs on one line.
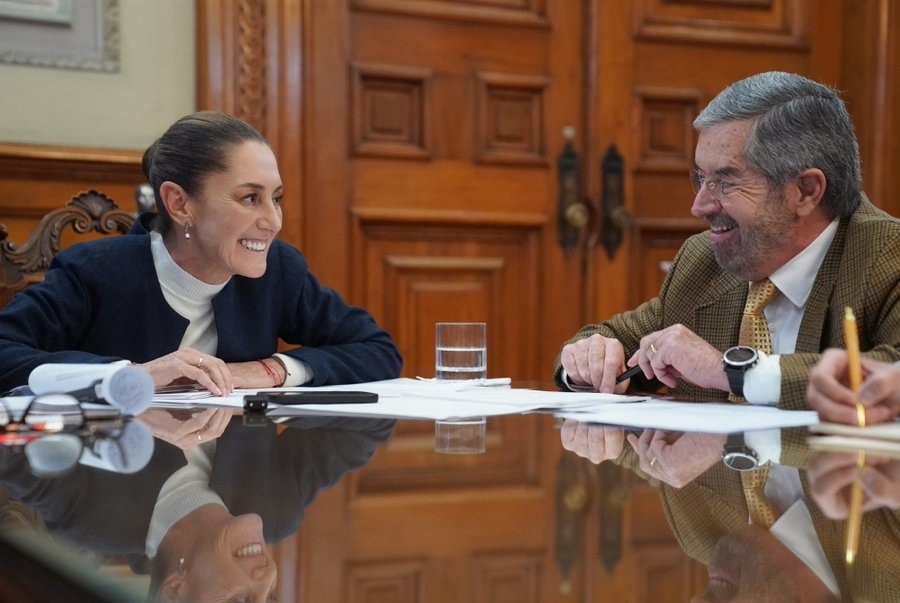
[[235, 217]]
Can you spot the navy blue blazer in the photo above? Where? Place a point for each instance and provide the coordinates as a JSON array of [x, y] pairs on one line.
[[101, 301]]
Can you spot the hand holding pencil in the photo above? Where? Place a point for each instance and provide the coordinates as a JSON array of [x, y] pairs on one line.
[[829, 392]]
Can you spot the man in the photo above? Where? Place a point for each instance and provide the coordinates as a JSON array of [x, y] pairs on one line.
[[777, 178]]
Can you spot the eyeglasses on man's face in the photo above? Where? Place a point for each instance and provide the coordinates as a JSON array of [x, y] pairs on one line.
[[719, 188]]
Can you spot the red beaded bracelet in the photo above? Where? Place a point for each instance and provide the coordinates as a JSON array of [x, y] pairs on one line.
[[270, 371]]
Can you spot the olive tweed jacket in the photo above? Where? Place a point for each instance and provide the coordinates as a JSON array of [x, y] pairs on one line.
[[861, 269]]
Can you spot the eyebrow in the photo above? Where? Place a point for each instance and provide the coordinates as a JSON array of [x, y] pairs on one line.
[[259, 187], [728, 170]]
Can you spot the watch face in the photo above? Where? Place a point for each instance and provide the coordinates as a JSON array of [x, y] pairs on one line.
[[740, 355], [740, 461]]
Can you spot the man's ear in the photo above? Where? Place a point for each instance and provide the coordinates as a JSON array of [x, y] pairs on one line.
[[174, 198], [811, 184]]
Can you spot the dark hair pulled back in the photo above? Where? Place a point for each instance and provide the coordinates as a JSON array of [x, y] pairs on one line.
[[194, 147]]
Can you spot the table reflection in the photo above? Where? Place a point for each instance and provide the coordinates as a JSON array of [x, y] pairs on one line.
[[801, 556], [200, 521]]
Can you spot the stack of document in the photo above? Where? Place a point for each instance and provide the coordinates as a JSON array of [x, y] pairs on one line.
[[441, 400]]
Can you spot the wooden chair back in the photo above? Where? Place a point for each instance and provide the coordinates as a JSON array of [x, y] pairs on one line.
[[86, 212]]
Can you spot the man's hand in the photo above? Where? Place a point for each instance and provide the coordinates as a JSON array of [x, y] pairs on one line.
[[677, 458], [595, 361], [675, 353], [593, 442], [829, 394]]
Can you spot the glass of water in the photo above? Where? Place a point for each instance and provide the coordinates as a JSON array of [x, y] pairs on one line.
[[460, 351]]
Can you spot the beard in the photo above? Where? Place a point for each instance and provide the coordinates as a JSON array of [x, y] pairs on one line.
[[744, 255]]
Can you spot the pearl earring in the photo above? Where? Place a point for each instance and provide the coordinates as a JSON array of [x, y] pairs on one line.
[[181, 570], [187, 226]]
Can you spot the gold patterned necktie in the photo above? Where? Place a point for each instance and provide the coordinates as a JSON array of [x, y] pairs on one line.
[[762, 511], [755, 333], [754, 328]]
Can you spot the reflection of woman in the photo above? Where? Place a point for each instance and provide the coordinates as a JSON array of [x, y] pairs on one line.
[[201, 522], [202, 291]]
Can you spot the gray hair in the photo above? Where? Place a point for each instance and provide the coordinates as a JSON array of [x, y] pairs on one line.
[[799, 124]]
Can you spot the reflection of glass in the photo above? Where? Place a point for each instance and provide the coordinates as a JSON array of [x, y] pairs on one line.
[[460, 351], [460, 436]]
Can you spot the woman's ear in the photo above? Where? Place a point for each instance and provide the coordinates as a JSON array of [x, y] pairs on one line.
[[174, 198], [172, 588]]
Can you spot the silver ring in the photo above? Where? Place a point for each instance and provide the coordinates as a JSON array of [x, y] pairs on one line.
[[652, 461], [200, 437], [200, 362], [653, 349]]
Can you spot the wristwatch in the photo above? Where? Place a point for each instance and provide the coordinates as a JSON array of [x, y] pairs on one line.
[[737, 455], [737, 361]]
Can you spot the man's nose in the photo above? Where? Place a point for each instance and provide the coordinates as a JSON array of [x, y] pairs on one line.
[[704, 203]]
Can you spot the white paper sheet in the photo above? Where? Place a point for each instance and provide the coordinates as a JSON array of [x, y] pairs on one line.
[[694, 416], [419, 399]]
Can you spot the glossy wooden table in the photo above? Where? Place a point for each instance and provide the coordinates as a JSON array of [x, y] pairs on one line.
[[356, 510]]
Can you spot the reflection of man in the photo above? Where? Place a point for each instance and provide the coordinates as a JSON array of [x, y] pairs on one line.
[[750, 564], [709, 514]]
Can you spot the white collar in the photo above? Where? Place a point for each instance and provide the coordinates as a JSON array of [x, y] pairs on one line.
[[795, 530], [175, 278], [796, 277]]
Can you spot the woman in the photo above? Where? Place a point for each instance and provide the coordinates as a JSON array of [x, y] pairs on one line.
[[200, 291]]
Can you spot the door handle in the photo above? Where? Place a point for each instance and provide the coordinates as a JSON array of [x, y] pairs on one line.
[[573, 214], [616, 219]]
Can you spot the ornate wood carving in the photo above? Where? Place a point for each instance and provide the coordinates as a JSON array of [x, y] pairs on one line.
[[390, 111], [87, 212], [510, 121], [251, 63], [762, 23]]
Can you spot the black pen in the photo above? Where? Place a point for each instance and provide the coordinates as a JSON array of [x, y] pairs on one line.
[[619, 379], [632, 372]]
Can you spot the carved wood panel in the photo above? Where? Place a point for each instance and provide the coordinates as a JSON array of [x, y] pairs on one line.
[[762, 23], [390, 110]]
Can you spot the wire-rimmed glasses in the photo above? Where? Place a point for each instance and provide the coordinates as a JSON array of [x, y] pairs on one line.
[[718, 188]]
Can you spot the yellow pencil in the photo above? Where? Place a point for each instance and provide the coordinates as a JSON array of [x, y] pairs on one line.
[[854, 519]]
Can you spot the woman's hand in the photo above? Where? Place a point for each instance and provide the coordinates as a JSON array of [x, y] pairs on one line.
[[190, 365], [184, 428], [264, 373]]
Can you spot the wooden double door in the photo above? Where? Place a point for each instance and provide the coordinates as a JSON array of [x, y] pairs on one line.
[[420, 143]]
